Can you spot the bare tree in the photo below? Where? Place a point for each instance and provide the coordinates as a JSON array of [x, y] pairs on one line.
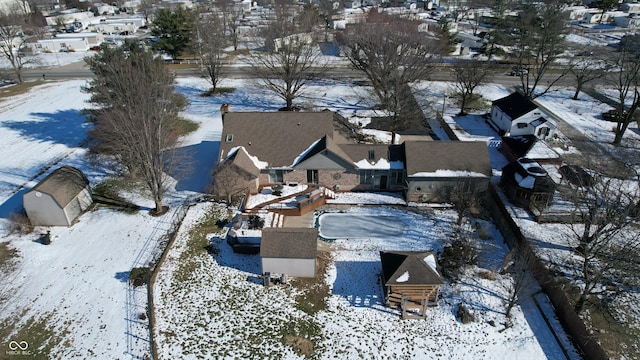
[[469, 75], [13, 25], [287, 60], [328, 10], [626, 68], [538, 42], [500, 30], [464, 196], [147, 8], [229, 181], [392, 52], [210, 43], [231, 16], [309, 18], [605, 237], [136, 119], [516, 265], [588, 68]]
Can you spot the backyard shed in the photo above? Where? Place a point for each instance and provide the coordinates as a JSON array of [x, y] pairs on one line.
[[527, 184], [59, 198], [289, 251], [411, 281]]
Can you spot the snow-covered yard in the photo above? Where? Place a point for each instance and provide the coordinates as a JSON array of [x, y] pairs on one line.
[[75, 290], [220, 309]]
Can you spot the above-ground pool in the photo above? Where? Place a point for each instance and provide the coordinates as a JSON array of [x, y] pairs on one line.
[[357, 225]]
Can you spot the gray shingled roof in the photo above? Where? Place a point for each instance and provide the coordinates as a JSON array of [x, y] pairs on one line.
[[275, 137], [241, 159], [63, 184], [397, 265], [297, 243], [359, 152], [429, 156]]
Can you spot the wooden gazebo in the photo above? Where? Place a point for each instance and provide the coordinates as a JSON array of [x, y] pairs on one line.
[[410, 281]]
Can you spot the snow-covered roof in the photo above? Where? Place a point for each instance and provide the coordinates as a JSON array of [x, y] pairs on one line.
[[304, 153], [257, 162], [448, 173], [381, 164]]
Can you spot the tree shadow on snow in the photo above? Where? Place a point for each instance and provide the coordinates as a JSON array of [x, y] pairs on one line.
[[358, 282], [122, 276], [475, 125], [475, 289], [67, 127], [13, 205]]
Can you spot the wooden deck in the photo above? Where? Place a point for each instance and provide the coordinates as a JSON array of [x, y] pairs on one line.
[[413, 300]]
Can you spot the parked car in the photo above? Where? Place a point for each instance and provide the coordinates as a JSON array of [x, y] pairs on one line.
[[519, 72], [95, 48]]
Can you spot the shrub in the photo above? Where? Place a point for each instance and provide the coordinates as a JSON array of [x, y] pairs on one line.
[[255, 222], [277, 189], [139, 276], [220, 223], [19, 223], [487, 275], [461, 252], [464, 314]]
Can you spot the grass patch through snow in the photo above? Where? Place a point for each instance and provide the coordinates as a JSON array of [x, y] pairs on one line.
[[38, 336], [17, 89]]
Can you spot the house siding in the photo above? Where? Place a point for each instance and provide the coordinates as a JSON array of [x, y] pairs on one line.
[[426, 190], [291, 267], [44, 210], [79, 204], [231, 181], [346, 180]]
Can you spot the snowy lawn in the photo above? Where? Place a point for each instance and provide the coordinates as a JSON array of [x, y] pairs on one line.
[[214, 306], [74, 290]]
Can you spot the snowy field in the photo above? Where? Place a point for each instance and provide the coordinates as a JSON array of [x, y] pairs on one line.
[[223, 311], [76, 287]]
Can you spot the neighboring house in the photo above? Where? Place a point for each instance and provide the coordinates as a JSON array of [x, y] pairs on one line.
[[81, 41], [118, 25], [529, 147], [59, 198], [410, 281], [516, 115], [68, 17], [576, 13], [316, 148], [631, 21], [469, 41], [630, 7], [432, 166], [597, 17], [295, 39], [527, 184], [289, 251]]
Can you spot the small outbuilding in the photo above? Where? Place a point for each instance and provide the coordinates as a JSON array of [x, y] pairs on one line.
[[411, 281], [289, 251], [527, 184], [59, 198]]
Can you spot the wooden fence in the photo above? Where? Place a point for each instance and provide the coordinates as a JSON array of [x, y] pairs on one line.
[[572, 323]]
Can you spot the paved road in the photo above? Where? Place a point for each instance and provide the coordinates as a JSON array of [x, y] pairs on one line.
[[78, 70]]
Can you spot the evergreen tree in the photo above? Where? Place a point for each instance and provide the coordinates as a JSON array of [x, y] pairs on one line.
[[173, 30], [136, 114]]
